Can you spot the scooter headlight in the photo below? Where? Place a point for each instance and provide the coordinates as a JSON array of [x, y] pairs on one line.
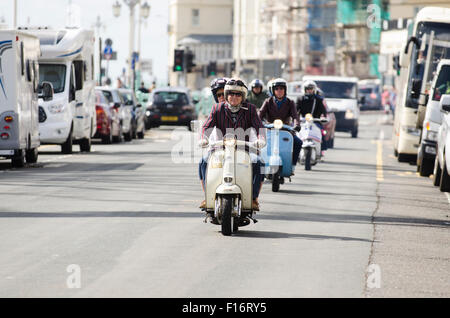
[[309, 117], [228, 179], [278, 124]]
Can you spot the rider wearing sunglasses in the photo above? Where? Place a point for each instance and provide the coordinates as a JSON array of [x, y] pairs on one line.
[[235, 113]]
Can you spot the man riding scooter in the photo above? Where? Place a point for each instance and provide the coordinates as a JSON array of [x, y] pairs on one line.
[[312, 103], [281, 107], [257, 96], [235, 114]]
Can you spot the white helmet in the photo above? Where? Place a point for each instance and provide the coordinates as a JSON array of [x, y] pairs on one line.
[[309, 84], [236, 85], [277, 82]]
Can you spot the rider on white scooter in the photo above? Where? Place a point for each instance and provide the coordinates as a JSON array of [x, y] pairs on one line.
[[312, 103], [235, 114], [281, 107]]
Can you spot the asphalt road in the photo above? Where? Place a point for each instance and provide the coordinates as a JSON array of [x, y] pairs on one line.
[[123, 221]]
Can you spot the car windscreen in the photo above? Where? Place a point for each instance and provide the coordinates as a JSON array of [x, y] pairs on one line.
[[442, 83], [174, 98], [127, 98], [331, 89], [55, 74], [367, 90]]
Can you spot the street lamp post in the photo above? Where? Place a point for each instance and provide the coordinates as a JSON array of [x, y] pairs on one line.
[[145, 11], [15, 15]]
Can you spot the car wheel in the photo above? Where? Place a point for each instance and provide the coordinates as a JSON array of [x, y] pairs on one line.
[[31, 155], [437, 173], [444, 185], [355, 132], [66, 148], [18, 161], [426, 167]]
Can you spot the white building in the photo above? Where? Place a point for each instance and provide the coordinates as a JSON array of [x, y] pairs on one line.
[[205, 28]]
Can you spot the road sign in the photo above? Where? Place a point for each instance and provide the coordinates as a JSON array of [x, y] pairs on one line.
[[108, 52]]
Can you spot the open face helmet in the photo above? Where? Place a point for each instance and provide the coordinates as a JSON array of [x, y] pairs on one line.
[[279, 82], [236, 85], [308, 85], [217, 84]]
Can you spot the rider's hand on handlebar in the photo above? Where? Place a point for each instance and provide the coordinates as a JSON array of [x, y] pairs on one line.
[[203, 143], [260, 143], [297, 128]]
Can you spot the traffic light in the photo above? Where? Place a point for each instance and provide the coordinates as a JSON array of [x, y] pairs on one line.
[[212, 68], [178, 62], [190, 61]]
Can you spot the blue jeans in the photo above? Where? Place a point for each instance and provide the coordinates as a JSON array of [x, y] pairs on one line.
[[297, 148], [258, 177]]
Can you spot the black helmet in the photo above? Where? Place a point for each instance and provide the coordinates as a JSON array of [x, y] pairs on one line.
[[217, 84], [256, 83]]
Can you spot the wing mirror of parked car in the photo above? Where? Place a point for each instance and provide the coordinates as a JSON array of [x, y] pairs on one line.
[[115, 105], [445, 103], [195, 125], [45, 91]]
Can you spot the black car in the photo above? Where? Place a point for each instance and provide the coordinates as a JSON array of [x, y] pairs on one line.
[[170, 106]]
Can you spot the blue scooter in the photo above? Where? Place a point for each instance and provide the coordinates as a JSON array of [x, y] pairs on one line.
[[277, 155]]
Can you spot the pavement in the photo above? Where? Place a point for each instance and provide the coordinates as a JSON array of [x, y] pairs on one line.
[[123, 221]]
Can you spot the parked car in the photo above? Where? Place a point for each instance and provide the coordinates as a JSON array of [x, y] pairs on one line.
[[370, 94], [330, 128], [108, 121], [115, 98], [170, 106], [137, 112], [442, 163]]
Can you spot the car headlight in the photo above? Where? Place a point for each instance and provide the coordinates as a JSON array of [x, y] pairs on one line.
[[349, 114], [56, 109]]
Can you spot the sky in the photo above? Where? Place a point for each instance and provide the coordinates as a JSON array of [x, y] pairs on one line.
[[54, 13]]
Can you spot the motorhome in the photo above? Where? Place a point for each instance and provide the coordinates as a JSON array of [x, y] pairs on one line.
[[341, 96], [19, 114], [433, 118], [417, 60], [67, 62]]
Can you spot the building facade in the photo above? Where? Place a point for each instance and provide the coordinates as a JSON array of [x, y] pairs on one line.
[[205, 28]]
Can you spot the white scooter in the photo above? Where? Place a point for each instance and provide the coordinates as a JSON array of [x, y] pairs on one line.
[[311, 136], [228, 188]]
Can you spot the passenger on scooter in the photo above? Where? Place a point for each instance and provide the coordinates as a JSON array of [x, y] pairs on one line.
[[281, 107], [257, 96], [312, 103], [235, 113], [217, 89]]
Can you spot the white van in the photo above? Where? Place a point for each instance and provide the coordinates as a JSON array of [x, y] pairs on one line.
[[433, 118], [341, 97], [67, 62], [19, 114], [442, 162]]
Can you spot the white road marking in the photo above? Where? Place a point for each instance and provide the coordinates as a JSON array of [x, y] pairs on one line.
[[380, 173]]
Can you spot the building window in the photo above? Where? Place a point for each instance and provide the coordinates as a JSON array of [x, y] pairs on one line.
[[195, 17]]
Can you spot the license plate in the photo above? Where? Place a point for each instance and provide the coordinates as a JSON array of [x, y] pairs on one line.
[[6, 152], [169, 118]]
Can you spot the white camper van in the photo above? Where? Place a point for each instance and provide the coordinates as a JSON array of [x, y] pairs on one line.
[[67, 62], [341, 96], [19, 79]]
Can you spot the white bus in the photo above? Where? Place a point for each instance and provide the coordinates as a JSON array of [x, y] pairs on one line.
[[406, 134]]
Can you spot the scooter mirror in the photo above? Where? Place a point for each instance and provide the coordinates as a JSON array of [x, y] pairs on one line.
[[195, 125]]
